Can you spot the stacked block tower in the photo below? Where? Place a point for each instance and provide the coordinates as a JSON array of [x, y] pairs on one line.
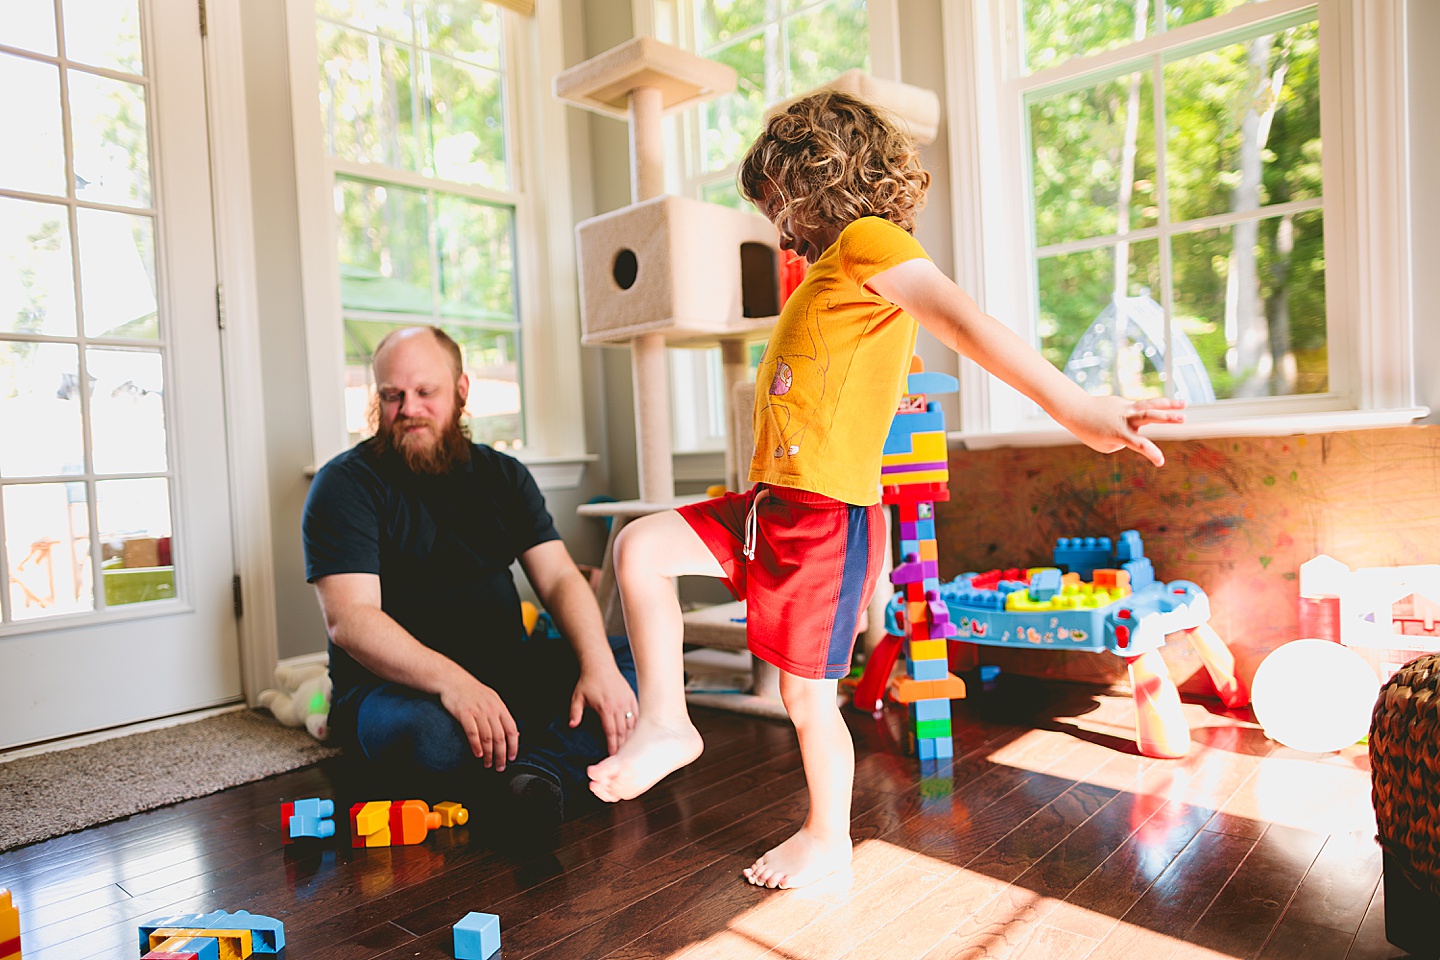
[[915, 474]]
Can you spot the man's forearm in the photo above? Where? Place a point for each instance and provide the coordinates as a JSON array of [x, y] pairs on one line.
[[390, 652], [572, 604]]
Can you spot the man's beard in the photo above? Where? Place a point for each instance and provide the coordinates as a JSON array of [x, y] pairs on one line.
[[449, 449]]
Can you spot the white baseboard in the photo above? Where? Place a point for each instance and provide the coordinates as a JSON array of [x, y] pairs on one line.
[[100, 735]]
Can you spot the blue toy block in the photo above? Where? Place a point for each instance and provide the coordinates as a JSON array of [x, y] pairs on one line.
[[930, 710], [931, 381], [315, 808], [1129, 546], [1082, 554], [944, 748], [929, 669], [908, 547], [477, 936], [935, 748], [903, 426], [1142, 572], [311, 827], [924, 529], [925, 749], [989, 672], [1044, 584], [267, 935]]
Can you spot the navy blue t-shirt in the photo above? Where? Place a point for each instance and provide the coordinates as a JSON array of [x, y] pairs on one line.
[[442, 547]]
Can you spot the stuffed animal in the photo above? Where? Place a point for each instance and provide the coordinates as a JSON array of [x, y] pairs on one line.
[[303, 698]]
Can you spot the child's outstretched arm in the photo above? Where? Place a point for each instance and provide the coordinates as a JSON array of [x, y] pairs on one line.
[[1105, 424]]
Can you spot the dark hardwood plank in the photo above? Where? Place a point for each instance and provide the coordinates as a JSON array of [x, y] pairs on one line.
[[1249, 906], [1339, 887]]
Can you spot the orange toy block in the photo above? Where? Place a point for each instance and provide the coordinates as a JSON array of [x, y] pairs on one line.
[[234, 944], [411, 820], [452, 814], [9, 928], [906, 690]]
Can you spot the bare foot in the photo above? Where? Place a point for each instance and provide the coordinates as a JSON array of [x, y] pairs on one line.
[[800, 860], [652, 751]]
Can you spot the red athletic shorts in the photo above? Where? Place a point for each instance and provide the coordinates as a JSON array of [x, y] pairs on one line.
[[811, 573]]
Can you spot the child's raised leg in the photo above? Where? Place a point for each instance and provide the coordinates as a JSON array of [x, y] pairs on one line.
[[648, 553], [822, 846]]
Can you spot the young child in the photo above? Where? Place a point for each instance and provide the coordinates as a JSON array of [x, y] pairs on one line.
[[803, 548]]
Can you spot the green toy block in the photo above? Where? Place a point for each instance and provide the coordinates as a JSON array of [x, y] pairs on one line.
[[930, 729]]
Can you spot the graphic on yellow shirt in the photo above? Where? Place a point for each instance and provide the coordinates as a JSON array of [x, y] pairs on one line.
[[798, 377]]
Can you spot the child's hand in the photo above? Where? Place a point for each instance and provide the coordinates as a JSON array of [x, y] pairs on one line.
[[1112, 423]]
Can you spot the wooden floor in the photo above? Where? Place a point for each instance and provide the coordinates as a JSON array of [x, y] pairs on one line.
[[1047, 838]]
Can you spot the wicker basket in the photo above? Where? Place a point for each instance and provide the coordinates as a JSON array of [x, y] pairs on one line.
[[1405, 787]]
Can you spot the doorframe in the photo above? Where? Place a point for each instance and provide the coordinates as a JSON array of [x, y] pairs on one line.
[[226, 118]]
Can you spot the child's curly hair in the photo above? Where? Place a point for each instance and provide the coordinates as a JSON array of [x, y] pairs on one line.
[[832, 159]]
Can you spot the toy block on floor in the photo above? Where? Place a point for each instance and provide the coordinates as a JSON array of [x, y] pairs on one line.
[[9, 927], [312, 817], [186, 948], [477, 936], [452, 814], [238, 934]]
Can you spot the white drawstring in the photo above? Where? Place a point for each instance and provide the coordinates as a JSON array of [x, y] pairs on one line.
[[752, 524]]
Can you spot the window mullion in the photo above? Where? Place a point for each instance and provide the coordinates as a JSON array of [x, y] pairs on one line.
[[1162, 202]]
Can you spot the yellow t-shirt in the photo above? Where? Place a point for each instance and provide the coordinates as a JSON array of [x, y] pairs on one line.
[[834, 370]]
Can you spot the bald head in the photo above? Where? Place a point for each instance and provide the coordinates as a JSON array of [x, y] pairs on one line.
[[418, 339], [419, 403]]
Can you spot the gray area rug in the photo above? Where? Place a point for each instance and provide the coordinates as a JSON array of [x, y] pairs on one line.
[[56, 793]]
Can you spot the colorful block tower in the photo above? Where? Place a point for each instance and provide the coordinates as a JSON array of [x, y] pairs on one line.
[[915, 474]]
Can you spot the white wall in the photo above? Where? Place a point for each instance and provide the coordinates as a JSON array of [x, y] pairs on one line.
[[1423, 28]]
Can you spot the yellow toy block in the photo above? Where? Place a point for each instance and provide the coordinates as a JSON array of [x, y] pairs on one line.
[[9, 927], [380, 838], [926, 447], [452, 814], [920, 476], [927, 649], [234, 944]]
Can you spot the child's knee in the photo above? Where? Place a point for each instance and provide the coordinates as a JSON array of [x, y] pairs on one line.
[[808, 701]]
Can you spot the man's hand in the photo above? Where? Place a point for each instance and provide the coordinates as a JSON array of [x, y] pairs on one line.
[[606, 692], [483, 716]]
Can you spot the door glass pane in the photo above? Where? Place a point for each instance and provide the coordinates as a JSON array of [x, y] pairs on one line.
[[40, 427], [476, 244], [384, 247], [466, 113], [47, 549], [104, 33], [117, 275], [37, 280], [1254, 296], [127, 410], [366, 98], [34, 156], [135, 546], [29, 26], [1056, 30], [1244, 125], [112, 149], [1093, 149]]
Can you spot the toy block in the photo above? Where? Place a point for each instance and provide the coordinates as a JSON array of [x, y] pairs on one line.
[[310, 827], [931, 381], [452, 814], [929, 729], [927, 649], [603, 83], [924, 510], [930, 710], [934, 748], [1082, 554], [925, 749], [909, 546], [903, 428], [909, 690], [907, 530], [477, 936], [693, 271], [1112, 580], [929, 551], [9, 927], [931, 570], [925, 529], [186, 948], [231, 944], [930, 669], [911, 570], [263, 935], [925, 447], [411, 820], [904, 476], [1129, 547], [367, 821], [911, 403], [916, 610], [1044, 583], [314, 807], [944, 748]]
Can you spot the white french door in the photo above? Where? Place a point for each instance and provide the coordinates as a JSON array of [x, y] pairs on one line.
[[115, 540]]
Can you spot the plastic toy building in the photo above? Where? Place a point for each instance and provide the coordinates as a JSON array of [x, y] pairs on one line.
[[384, 823], [914, 472], [477, 936], [1121, 610], [211, 936], [307, 818], [9, 927]]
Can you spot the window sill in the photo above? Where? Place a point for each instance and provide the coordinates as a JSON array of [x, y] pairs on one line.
[[1272, 426]]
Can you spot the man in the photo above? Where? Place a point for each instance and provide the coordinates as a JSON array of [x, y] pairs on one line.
[[409, 540]]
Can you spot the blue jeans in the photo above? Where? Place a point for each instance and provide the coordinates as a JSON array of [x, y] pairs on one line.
[[407, 737]]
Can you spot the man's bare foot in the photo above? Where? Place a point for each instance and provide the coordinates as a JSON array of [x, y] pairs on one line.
[[800, 860], [651, 752]]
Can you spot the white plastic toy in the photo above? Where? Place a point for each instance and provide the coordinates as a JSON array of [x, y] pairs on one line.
[[303, 698]]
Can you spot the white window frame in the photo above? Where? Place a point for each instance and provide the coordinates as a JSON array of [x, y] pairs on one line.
[[546, 283], [695, 383], [1366, 191]]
